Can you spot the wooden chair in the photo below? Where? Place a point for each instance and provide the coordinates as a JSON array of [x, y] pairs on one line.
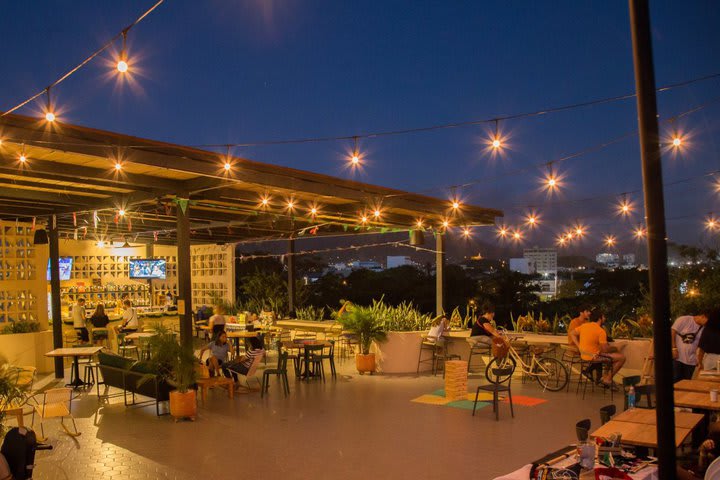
[[55, 403], [26, 379], [500, 382]]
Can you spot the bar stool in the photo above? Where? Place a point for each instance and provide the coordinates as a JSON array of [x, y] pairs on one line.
[[571, 357], [480, 349], [590, 367], [124, 347]]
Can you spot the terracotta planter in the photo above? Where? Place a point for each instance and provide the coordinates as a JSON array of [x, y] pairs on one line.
[[183, 405], [365, 363]]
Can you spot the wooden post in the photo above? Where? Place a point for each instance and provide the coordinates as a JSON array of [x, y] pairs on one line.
[[183, 275], [291, 275], [440, 273], [57, 325], [656, 236]]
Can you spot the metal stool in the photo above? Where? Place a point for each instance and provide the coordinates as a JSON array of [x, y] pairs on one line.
[[480, 349]]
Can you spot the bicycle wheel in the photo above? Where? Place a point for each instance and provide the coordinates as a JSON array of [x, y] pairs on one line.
[[505, 362], [551, 374]]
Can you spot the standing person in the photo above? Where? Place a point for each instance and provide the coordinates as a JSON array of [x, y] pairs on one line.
[[130, 322], [708, 352], [581, 319], [686, 332], [219, 350], [78, 318], [99, 320], [217, 321], [591, 340], [482, 329]]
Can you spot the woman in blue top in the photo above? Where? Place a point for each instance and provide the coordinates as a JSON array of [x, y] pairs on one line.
[[219, 350]]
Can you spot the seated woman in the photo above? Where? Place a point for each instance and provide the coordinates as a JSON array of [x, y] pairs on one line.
[[219, 350], [217, 321], [99, 320], [709, 451], [482, 330], [241, 365]]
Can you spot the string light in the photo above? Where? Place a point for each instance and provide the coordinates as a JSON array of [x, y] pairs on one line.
[[419, 223], [711, 223], [552, 182], [118, 166], [517, 235], [455, 205], [466, 232], [496, 141], [610, 241], [355, 157], [122, 65], [363, 219], [290, 205], [264, 201], [121, 212], [227, 166], [532, 220], [445, 224], [502, 232], [313, 211], [625, 207], [639, 233], [49, 114], [579, 231], [676, 141], [377, 213], [23, 158], [562, 240]]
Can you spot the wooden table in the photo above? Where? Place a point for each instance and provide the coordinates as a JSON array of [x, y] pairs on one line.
[[648, 416], [638, 434], [699, 400], [306, 326], [75, 353], [703, 386], [205, 384], [138, 335]]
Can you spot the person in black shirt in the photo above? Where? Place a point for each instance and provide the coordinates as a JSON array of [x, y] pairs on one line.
[[99, 320], [482, 329], [708, 352]]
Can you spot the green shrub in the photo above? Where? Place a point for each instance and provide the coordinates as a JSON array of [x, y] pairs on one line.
[[23, 326]]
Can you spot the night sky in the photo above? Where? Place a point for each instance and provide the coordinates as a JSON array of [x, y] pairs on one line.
[[217, 72]]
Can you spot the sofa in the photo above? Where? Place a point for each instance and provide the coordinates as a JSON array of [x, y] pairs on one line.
[[134, 378]]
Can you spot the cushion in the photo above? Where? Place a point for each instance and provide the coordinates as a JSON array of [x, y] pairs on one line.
[[114, 360]]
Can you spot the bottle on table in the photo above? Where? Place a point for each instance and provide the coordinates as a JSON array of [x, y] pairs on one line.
[[631, 397]]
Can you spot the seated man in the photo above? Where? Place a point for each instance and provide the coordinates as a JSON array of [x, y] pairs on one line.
[[591, 340], [241, 365], [581, 319], [482, 329]]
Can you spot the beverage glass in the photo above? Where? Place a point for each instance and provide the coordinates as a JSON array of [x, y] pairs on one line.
[[714, 395], [587, 452]]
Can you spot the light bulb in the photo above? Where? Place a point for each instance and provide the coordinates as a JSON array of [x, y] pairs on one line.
[[121, 212], [503, 232], [419, 223], [290, 205], [313, 211], [676, 142], [455, 205], [264, 201], [466, 232], [517, 235], [49, 116], [445, 224], [376, 213], [23, 158], [122, 66], [355, 159], [363, 219], [496, 143], [101, 244], [227, 166], [551, 182], [118, 166], [610, 241]]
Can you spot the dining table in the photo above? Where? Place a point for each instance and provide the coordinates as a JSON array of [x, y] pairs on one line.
[[703, 386], [75, 353], [638, 427], [304, 345], [235, 336], [698, 400]]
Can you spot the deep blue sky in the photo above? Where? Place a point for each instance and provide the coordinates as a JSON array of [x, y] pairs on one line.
[[224, 72]]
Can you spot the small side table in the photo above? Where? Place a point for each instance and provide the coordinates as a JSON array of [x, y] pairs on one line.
[[205, 384]]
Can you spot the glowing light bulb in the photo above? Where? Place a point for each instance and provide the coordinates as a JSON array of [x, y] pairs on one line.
[[466, 232], [445, 224], [419, 223], [227, 166], [290, 205], [562, 240], [355, 159], [121, 212], [313, 211], [551, 182], [455, 205], [517, 235], [677, 141], [376, 213], [503, 232], [363, 219], [712, 223], [569, 236], [101, 244], [610, 241], [122, 66], [49, 116], [118, 166], [264, 201], [639, 232], [579, 232], [23, 158], [496, 143]]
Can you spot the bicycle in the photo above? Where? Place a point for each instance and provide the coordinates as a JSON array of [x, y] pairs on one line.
[[550, 373]]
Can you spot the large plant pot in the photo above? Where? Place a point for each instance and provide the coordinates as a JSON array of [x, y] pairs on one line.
[[183, 405], [365, 363]]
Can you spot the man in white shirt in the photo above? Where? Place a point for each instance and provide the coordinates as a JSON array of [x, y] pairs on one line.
[[685, 338], [78, 318], [130, 321]]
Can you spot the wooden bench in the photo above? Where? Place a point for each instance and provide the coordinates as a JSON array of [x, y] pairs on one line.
[[205, 384]]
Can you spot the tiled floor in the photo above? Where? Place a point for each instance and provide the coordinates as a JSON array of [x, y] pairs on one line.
[[357, 427]]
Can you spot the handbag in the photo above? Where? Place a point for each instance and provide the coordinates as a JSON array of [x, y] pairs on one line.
[[499, 347]]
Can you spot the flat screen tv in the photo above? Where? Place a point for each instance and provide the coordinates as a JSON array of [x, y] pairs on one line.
[[65, 268], [147, 268]]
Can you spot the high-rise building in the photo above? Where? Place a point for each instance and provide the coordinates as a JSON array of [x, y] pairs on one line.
[[543, 261], [610, 260]]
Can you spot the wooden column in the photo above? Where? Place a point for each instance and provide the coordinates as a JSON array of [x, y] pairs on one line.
[[183, 275], [54, 248], [440, 273], [291, 275]]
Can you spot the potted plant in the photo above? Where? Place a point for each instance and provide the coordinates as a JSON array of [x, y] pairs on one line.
[[176, 366], [10, 392], [369, 329]]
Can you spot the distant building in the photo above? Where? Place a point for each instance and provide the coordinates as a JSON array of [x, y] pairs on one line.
[[609, 260], [369, 265], [629, 260], [521, 265], [398, 261], [543, 261]]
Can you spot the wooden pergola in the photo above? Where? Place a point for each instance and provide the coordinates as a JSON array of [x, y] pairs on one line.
[[74, 178]]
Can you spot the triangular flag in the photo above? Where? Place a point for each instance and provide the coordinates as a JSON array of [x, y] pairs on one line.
[[74, 219]]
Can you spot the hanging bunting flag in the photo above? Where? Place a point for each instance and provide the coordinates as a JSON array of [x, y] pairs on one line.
[[182, 203], [84, 232], [155, 235], [33, 223], [54, 222], [314, 231], [345, 227], [74, 219], [282, 258], [117, 218], [129, 223], [167, 209], [383, 230], [75, 236]]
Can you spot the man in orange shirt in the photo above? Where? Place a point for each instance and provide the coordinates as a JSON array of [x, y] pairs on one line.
[[591, 340], [581, 319]]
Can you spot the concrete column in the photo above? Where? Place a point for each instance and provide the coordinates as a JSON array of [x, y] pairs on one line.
[[440, 273], [183, 276], [291, 274], [54, 248]]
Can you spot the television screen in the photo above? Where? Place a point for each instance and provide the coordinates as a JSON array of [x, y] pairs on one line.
[[147, 268], [65, 268]]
